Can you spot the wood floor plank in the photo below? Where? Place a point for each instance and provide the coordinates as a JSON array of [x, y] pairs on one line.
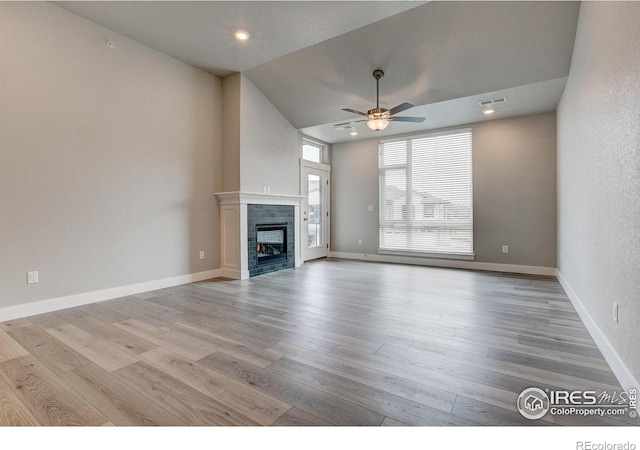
[[167, 339], [295, 417], [258, 357], [505, 375], [46, 396], [410, 390], [12, 411], [453, 347], [101, 312], [95, 350], [182, 401], [355, 328], [566, 348], [57, 356], [15, 323], [332, 409], [399, 408], [336, 338], [433, 379], [144, 311], [233, 328], [255, 405], [116, 400], [9, 348], [258, 335], [596, 375], [127, 342]]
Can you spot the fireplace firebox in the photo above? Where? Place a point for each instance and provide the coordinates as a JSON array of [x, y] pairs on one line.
[[270, 238], [271, 243]]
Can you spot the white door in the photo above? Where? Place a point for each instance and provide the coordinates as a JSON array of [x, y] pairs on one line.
[[315, 212]]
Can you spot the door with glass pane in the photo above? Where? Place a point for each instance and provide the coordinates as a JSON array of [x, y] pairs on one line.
[[315, 214]]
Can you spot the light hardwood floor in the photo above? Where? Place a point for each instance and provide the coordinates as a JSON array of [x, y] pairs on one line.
[[333, 342]]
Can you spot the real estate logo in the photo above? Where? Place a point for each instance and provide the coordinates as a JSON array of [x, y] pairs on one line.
[[533, 403]]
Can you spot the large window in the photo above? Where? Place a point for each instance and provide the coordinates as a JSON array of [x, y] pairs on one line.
[[426, 198]]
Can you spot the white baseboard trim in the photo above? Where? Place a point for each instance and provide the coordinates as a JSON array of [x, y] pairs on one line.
[[55, 304], [234, 274], [449, 263], [619, 368]]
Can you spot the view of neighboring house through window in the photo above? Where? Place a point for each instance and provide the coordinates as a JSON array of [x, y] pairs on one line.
[[426, 198]]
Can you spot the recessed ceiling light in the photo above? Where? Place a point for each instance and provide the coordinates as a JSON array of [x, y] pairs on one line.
[[354, 133], [242, 35], [488, 111]]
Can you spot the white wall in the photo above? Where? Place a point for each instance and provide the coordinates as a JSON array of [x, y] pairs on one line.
[[599, 174], [514, 177], [109, 158]]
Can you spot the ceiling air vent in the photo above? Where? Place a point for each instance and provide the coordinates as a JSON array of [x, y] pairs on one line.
[[493, 101], [343, 126]]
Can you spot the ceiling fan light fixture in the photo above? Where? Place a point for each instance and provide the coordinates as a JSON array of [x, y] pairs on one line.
[[377, 124]]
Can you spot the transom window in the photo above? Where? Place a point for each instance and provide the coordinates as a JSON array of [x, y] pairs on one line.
[[312, 151], [426, 198]]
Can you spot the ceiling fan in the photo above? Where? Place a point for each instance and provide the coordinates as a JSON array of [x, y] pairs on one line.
[[378, 118]]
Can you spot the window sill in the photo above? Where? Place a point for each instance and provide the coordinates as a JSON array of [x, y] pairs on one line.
[[458, 256]]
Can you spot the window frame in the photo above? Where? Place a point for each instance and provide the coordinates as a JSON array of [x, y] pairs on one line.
[[319, 145], [409, 205]]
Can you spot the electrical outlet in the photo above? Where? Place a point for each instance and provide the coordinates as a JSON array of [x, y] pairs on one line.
[[359, 241], [201, 254], [615, 312], [32, 277], [505, 249], [370, 208]]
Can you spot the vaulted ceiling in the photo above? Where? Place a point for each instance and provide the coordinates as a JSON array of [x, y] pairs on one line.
[[313, 58]]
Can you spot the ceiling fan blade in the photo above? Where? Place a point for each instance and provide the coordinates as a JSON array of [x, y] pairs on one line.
[[400, 108], [349, 123], [407, 119], [355, 112]]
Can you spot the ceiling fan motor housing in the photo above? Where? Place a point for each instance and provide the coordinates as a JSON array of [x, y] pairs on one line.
[[378, 113]]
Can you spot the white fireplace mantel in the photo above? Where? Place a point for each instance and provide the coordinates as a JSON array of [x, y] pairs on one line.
[[256, 198], [233, 228]]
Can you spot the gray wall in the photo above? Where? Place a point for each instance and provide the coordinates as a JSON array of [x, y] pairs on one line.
[[109, 158], [231, 136], [270, 146], [514, 178], [599, 173], [261, 147]]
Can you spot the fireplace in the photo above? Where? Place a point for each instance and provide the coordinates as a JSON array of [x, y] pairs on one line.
[[241, 216], [271, 243], [270, 238]]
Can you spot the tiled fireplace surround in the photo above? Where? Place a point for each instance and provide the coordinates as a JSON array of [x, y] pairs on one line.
[[239, 213]]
